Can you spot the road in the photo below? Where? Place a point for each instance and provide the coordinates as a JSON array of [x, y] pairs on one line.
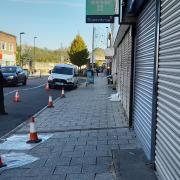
[[33, 98]]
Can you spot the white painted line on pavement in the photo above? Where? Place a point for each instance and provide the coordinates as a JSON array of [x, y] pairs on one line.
[[9, 93], [27, 89], [32, 88]]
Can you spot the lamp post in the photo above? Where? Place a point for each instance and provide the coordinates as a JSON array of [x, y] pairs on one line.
[[20, 59], [107, 35], [34, 49], [93, 38]]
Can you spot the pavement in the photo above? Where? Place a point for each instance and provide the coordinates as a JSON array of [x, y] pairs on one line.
[[90, 140]]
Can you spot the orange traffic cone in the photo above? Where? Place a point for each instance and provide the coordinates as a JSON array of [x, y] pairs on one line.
[[1, 163], [47, 87], [62, 93], [33, 137], [17, 97], [50, 102]]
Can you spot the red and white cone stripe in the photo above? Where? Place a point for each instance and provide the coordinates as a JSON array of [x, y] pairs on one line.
[[1, 163], [33, 137], [47, 87], [62, 93], [17, 97], [50, 102]]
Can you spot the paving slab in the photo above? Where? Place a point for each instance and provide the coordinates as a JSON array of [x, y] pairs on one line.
[[87, 130], [132, 164]]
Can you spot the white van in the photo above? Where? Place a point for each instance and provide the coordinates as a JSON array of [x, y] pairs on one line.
[[63, 75]]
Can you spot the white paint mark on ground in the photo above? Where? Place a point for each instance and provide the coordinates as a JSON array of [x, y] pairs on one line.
[[14, 160], [18, 142], [27, 89]]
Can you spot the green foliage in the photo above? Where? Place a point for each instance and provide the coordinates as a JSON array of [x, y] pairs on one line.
[[98, 63], [26, 55], [78, 52], [99, 52], [41, 55], [18, 56]]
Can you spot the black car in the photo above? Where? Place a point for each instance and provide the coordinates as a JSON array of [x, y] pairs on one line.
[[14, 75]]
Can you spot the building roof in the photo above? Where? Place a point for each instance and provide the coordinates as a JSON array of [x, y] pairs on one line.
[[7, 34]]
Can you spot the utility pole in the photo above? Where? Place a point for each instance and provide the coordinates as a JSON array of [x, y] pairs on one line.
[[112, 34], [20, 58], [93, 47], [107, 35], [34, 51]]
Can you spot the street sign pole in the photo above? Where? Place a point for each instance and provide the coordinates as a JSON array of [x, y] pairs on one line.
[[93, 47]]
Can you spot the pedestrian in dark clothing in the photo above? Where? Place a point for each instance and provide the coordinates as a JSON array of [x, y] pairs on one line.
[[97, 72], [2, 82]]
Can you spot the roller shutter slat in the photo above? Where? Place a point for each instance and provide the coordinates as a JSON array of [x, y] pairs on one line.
[[167, 158]]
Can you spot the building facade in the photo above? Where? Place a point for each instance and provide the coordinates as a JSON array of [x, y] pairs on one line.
[[7, 49], [147, 62]]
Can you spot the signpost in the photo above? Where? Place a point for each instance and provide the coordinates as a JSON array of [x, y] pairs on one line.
[[100, 11]]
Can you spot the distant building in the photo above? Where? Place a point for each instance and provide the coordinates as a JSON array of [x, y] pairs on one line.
[[7, 49]]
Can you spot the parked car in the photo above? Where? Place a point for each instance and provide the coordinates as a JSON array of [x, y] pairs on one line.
[[26, 71], [14, 75], [63, 75]]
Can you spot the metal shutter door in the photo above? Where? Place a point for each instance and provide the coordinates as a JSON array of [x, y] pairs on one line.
[[144, 68], [168, 109], [118, 71], [124, 71], [129, 71]]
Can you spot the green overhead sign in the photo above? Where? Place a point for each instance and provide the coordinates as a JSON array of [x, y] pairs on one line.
[[100, 11], [100, 7]]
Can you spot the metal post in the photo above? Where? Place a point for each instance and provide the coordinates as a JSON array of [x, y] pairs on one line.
[[112, 34], [107, 36], [93, 48], [20, 59], [20, 50], [34, 49]]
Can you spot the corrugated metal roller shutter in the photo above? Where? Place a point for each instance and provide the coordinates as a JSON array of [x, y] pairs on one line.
[[168, 109], [129, 64], [121, 69], [124, 70], [126, 67], [144, 72], [118, 70]]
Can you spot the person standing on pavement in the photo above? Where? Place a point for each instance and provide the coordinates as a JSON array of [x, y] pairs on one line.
[[2, 82], [97, 71]]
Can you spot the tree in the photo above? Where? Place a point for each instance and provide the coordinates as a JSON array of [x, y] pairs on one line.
[[78, 52], [99, 56], [99, 52], [98, 63], [17, 56], [41, 55], [26, 55]]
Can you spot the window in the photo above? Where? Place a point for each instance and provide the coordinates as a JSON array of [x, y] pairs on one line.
[[63, 70], [3, 45], [11, 47], [8, 69]]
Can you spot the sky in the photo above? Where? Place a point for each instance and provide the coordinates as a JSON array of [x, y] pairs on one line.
[[54, 22]]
